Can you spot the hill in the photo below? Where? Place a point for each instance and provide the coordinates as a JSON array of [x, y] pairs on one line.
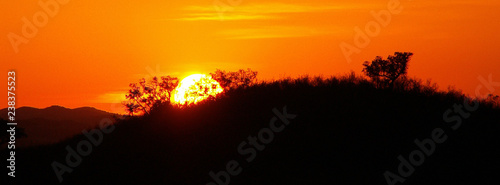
[[55, 123], [342, 131]]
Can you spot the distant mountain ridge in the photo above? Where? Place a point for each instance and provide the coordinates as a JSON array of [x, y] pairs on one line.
[[54, 123], [54, 112]]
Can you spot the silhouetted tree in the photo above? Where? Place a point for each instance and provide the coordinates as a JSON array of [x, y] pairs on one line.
[[143, 97], [232, 80], [385, 72], [493, 100]]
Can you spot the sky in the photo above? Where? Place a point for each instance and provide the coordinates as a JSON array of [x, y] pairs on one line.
[[85, 53]]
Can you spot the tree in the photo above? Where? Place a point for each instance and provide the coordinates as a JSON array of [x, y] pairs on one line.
[[385, 72], [145, 96], [493, 100], [233, 80]]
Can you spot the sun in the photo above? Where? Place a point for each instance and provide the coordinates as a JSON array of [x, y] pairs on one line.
[[195, 88]]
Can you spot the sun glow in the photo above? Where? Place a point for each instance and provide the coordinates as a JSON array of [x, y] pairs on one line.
[[196, 88]]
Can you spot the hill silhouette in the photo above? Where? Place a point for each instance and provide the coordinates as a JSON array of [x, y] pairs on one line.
[[346, 131], [55, 123]]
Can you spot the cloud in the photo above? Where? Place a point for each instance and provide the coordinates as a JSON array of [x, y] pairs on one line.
[[267, 8], [110, 97], [272, 20], [271, 32], [218, 17], [250, 12]]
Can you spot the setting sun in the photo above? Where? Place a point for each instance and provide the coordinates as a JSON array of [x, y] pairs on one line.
[[195, 88]]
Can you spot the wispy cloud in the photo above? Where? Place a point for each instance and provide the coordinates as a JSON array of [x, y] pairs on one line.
[[251, 12], [269, 8], [217, 17], [273, 19], [110, 97], [271, 32]]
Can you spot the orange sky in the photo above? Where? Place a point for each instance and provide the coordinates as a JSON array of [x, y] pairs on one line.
[[87, 52]]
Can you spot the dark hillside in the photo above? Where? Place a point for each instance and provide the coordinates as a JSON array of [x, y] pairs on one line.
[[345, 131]]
